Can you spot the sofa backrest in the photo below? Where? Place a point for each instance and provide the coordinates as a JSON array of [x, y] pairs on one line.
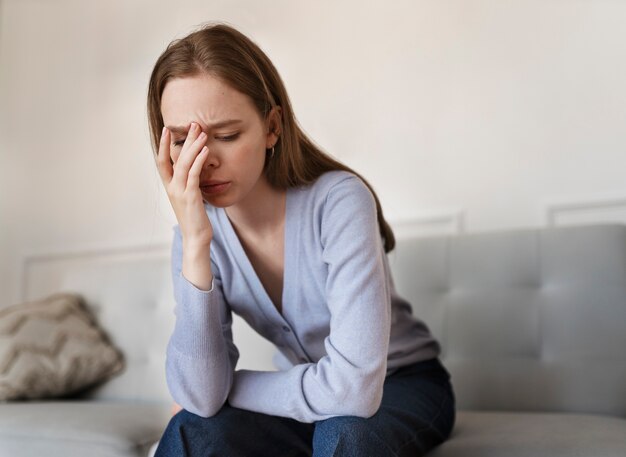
[[528, 319], [130, 294], [129, 291]]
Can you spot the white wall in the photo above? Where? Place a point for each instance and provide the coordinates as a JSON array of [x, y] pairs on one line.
[[486, 114]]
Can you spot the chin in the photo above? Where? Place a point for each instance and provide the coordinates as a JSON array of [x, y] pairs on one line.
[[217, 201]]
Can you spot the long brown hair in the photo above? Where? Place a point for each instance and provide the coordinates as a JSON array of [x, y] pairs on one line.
[[222, 51]]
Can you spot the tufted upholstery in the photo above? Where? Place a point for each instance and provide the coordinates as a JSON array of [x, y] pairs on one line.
[[538, 313], [532, 324], [130, 295], [530, 320]]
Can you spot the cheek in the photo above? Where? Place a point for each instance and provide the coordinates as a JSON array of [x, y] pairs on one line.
[[248, 154]]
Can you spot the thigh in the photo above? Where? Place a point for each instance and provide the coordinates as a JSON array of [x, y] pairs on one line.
[[234, 432], [416, 414]]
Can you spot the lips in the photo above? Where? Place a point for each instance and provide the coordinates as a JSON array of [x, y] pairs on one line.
[[212, 182], [215, 187]]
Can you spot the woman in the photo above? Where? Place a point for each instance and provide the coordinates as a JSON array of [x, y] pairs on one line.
[[275, 230]]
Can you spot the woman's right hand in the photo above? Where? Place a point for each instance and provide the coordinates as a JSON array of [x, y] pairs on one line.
[[182, 184]]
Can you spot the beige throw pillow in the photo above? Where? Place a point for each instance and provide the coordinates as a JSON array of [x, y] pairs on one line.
[[53, 347]]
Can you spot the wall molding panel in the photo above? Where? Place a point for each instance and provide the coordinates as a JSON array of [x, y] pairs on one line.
[[585, 211], [446, 222], [44, 266]]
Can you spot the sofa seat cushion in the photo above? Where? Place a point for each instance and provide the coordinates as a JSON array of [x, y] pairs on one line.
[[80, 428], [528, 434]]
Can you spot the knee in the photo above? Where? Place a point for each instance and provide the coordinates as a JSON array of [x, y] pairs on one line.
[[347, 436], [349, 427], [186, 420], [182, 417], [186, 429]]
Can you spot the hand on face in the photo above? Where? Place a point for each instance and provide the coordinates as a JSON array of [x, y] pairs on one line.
[[180, 173]]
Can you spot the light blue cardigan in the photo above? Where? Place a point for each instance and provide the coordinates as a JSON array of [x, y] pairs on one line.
[[343, 327]]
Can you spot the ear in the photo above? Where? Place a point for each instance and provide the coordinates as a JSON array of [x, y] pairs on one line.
[[274, 126]]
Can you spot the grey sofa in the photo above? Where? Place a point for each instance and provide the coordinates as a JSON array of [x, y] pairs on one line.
[[129, 292], [532, 324], [533, 328]]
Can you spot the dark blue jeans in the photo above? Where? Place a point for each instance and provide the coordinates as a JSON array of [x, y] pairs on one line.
[[417, 413]]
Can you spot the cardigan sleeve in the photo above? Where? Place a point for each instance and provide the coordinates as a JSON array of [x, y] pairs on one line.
[[348, 380], [200, 355]]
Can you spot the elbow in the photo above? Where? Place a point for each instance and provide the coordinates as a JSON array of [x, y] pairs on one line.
[[201, 405], [362, 400], [205, 410], [203, 398], [359, 393], [362, 407], [370, 408], [366, 395]]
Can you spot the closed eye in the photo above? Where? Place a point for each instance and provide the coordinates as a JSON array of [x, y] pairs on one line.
[[228, 138], [221, 138]]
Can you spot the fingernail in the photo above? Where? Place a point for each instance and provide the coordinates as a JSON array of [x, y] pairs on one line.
[[163, 132]]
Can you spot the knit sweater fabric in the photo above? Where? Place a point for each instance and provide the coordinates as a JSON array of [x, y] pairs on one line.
[[343, 327]]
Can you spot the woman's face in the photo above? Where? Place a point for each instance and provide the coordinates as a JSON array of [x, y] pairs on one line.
[[236, 148]]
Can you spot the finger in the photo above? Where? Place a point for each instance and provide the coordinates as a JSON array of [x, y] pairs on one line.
[[163, 157], [176, 151], [196, 168], [192, 134], [186, 159]]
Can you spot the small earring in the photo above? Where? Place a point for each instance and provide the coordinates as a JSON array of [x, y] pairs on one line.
[[272, 156]]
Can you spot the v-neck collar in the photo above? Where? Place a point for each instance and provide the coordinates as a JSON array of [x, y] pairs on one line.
[[246, 264]]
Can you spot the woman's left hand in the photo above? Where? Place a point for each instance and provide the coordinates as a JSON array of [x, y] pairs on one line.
[[176, 408]]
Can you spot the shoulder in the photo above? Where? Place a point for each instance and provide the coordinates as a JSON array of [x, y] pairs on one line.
[[340, 201], [332, 178], [338, 185]]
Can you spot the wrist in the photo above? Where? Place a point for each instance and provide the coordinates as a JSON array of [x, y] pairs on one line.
[[196, 245]]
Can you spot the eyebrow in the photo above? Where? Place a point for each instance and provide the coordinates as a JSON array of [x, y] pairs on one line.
[[184, 128]]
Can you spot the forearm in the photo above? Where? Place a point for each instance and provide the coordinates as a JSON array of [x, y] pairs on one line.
[[196, 264], [311, 392], [200, 354], [201, 386]]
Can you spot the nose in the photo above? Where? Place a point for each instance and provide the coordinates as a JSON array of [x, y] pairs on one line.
[[211, 161]]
